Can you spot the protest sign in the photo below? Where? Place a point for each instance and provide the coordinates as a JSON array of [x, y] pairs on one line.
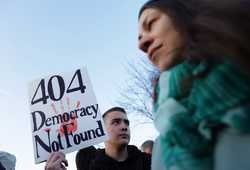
[[64, 114]]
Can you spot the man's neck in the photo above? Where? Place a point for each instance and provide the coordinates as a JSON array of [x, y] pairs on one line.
[[119, 153]]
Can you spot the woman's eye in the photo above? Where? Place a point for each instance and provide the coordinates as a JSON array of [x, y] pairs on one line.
[[150, 23]]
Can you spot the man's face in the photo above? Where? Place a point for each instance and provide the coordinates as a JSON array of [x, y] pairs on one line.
[[117, 125]]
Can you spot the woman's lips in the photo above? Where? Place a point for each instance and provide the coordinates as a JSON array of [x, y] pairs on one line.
[[152, 52]]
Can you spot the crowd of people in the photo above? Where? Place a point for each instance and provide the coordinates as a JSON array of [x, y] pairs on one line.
[[7, 161], [201, 99]]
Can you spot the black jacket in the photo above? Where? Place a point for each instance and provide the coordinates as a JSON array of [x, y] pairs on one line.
[[2, 167], [96, 159]]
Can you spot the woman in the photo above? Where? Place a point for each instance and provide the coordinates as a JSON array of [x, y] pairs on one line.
[[202, 98]]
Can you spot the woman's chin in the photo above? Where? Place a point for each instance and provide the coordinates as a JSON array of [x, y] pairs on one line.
[[167, 64], [164, 66]]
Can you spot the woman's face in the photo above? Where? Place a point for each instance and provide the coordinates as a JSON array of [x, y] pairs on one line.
[[159, 39]]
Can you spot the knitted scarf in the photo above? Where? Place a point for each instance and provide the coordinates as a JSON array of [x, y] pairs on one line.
[[188, 110]]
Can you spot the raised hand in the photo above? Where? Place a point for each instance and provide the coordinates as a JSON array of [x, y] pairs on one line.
[[56, 161]]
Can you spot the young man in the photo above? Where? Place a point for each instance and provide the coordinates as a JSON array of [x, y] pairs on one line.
[[117, 155]]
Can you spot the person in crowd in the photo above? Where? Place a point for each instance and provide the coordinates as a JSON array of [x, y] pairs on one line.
[[7, 161], [202, 97], [147, 146], [117, 154], [1, 167]]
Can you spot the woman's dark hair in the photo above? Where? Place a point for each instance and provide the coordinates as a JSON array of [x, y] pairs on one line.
[[222, 28], [180, 12], [213, 29]]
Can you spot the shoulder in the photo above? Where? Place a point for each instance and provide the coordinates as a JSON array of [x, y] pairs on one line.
[[86, 151], [84, 157], [142, 160]]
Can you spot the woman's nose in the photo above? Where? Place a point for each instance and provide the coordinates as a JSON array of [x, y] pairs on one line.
[[144, 42]]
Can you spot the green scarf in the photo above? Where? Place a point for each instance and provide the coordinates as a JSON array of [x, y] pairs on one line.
[[189, 108]]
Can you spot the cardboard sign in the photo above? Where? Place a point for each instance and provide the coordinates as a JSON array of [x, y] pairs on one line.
[[64, 114]]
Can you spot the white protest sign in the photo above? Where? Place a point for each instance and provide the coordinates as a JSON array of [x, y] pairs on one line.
[[64, 114]]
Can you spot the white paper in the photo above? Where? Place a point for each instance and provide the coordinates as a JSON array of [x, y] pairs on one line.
[[60, 102]]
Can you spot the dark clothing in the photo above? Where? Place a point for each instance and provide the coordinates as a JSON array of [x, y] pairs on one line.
[[96, 159], [2, 167]]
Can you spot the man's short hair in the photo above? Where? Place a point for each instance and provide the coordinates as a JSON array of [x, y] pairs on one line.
[[119, 109]]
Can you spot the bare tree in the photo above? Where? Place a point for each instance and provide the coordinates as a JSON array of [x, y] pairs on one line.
[[137, 94]]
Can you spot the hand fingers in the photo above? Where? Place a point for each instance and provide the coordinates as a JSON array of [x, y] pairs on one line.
[[63, 167], [65, 162], [59, 163], [55, 156], [50, 157], [56, 161]]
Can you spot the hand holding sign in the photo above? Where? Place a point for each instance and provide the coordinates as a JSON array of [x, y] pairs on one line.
[[64, 114], [56, 161]]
